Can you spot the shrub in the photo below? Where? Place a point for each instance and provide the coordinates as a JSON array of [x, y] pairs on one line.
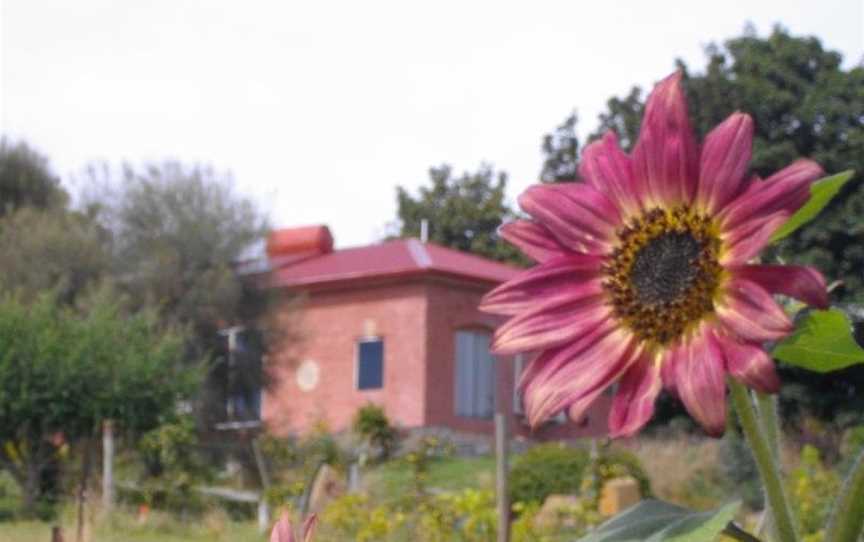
[[173, 469], [372, 424], [468, 515], [320, 446], [614, 463], [545, 470], [353, 517], [812, 489]]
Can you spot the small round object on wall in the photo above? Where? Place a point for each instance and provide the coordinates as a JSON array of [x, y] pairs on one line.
[[308, 374]]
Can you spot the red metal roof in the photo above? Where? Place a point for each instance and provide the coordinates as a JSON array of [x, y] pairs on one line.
[[392, 258]]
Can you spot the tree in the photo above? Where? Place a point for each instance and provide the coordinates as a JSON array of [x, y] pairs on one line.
[[561, 151], [463, 212], [180, 232], [26, 179], [64, 369], [55, 248]]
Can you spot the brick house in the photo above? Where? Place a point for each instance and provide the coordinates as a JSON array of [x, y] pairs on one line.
[[395, 324]]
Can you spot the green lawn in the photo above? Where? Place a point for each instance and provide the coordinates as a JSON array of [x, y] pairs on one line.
[[395, 478]]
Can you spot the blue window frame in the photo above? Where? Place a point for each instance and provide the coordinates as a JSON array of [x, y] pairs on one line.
[[370, 364]]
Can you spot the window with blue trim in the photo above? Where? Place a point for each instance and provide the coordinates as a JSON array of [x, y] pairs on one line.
[[370, 364]]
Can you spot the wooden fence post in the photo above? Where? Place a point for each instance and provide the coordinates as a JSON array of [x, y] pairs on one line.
[[108, 465], [501, 474]]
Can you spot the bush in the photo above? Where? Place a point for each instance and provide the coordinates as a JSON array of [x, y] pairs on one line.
[[173, 469], [468, 516], [545, 470], [354, 517], [320, 446], [611, 464], [372, 424], [812, 488]]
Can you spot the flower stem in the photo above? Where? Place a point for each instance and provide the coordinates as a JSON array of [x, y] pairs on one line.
[[767, 405], [847, 518], [765, 461], [768, 416]]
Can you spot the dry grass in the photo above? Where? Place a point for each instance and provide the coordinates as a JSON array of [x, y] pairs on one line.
[[683, 469]]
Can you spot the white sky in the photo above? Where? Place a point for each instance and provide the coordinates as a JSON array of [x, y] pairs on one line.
[[321, 108]]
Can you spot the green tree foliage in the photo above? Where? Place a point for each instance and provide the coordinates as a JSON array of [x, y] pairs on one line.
[[180, 233], [561, 153], [51, 249], [26, 180], [64, 369], [464, 212]]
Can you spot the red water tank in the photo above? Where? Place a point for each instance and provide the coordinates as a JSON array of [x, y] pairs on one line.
[[302, 241]]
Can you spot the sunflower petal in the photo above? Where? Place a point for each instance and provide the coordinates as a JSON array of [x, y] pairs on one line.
[[700, 381], [751, 313], [533, 239], [803, 283], [785, 191], [750, 364], [550, 324], [551, 360], [748, 239], [633, 404], [574, 277], [578, 215], [724, 161], [579, 380], [665, 158], [608, 169], [282, 531]]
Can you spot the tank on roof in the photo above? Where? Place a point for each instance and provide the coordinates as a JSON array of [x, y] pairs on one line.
[[305, 240]]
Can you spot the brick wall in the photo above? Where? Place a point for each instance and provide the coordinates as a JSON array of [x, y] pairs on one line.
[[417, 319], [331, 323]]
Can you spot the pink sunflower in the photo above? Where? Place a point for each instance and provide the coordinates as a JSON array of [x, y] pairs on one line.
[[283, 530], [644, 273]]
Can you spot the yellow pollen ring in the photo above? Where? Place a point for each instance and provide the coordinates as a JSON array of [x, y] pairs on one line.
[[663, 276]]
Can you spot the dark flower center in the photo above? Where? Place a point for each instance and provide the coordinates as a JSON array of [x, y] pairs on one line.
[[664, 273], [664, 268]]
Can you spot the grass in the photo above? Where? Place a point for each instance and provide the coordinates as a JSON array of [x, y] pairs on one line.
[[384, 482], [446, 474], [124, 527]]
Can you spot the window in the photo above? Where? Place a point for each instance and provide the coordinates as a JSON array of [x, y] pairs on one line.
[[238, 376], [475, 375], [370, 364]]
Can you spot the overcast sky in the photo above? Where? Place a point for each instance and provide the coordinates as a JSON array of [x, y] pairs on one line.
[[320, 109]]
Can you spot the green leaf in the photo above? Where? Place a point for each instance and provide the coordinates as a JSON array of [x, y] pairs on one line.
[[656, 521], [821, 192], [822, 342]]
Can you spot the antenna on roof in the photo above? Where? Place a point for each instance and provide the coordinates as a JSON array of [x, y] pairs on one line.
[[424, 230]]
